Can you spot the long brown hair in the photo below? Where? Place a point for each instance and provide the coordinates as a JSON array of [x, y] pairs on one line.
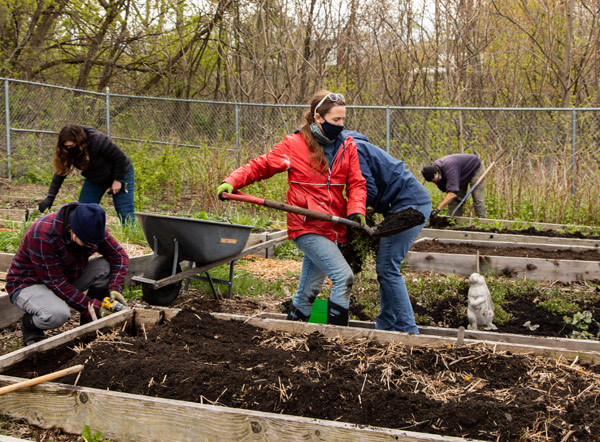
[[63, 162], [317, 156]]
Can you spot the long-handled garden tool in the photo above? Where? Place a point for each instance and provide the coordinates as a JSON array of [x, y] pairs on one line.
[[376, 231], [40, 379], [479, 180]]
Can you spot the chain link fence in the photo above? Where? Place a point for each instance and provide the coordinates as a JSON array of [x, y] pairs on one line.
[[554, 150]]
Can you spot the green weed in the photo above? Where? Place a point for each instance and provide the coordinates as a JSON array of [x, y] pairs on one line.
[[88, 436]]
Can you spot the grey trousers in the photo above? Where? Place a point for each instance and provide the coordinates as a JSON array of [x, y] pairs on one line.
[[48, 310], [478, 196]]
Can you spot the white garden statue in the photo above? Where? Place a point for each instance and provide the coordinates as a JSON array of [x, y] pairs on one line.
[[481, 307]]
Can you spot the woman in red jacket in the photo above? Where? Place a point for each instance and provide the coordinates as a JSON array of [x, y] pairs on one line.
[[320, 164]]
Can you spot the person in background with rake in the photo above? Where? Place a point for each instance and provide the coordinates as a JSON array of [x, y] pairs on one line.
[[103, 164], [321, 166], [391, 187], [453, 174]]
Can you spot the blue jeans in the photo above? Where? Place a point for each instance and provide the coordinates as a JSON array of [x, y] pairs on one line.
[[322, 257], [396, 311], [123, 201]]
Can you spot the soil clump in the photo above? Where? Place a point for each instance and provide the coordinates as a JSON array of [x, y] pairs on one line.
[[396, 222], [455, 391]]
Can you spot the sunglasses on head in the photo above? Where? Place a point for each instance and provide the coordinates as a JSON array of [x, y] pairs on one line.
[[332, 97]]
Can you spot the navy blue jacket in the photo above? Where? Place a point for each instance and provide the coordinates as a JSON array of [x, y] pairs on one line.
[[390, 185]]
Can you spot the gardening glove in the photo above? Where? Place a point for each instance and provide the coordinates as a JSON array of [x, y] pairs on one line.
[[224, 187], [113, 303], [45, 203], [359, 218], [434, 213], [57, 181]]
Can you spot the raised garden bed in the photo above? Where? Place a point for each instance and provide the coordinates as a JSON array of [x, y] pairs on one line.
[[537, 261], [289, 383]]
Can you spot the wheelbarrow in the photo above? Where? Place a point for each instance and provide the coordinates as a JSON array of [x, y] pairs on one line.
[[381, 230], [204, 244]]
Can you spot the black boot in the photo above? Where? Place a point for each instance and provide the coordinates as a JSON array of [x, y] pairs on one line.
[[296, 315], [336, 315], [31, 334]]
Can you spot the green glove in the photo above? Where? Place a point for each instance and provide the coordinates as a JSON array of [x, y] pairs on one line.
[[113, 303], [359, 218], [116, 296], [224, 187]]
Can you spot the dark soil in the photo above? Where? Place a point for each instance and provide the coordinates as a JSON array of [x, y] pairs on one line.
[[448, 224], [435, 246], [396, 222], [451, 313], [464, 391]]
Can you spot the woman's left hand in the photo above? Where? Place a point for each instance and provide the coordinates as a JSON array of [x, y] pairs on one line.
[[116, 187]]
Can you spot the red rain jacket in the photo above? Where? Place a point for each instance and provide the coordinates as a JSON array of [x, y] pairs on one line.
[[309, 188]]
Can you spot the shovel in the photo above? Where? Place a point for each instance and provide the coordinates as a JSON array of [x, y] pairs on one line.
[[239, 196]]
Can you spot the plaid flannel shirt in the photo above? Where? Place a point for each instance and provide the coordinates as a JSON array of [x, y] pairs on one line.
[[43, 258]]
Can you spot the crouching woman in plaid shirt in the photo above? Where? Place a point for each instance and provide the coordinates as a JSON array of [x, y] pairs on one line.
[[52, 270]]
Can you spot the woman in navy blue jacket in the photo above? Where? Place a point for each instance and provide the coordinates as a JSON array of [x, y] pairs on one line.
[[391, 187]]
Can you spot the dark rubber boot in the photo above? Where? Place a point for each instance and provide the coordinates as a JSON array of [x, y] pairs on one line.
[[336, 315], [296, 315], [31, 334]]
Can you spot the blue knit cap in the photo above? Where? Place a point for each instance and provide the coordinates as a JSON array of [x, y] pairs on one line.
[[88, 222]]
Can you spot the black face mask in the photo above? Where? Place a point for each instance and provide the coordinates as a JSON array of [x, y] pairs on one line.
[[331, 131]]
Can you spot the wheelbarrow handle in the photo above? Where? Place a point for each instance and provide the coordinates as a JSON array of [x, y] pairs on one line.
[[239, 196]]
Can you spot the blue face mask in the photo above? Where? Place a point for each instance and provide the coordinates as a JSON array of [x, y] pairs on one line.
[[331, 131]]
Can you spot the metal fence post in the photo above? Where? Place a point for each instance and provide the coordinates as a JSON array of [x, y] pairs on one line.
[[108, 111], [7, 112], [387, 129], [573, 149], [237, 134]]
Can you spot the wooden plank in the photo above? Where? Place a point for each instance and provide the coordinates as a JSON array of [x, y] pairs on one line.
[[527, 268], [520, 224], [5, 260], [482, 335], [144, 418], [516, 238], [333, 331], [9, 313], [12, 439], [115, 320]]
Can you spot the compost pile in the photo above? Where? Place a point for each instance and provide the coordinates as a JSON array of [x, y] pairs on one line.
[[463, 391], [435, 246]]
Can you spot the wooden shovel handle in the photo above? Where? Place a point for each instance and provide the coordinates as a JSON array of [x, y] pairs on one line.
[[239, 196], [40, 379]]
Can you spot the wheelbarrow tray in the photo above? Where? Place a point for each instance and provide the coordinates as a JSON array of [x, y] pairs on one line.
[[200, 241]]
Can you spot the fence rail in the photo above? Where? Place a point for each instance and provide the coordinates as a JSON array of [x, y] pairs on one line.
[[556, 141]]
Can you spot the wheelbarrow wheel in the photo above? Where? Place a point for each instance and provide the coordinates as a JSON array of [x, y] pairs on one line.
[[159, 268]]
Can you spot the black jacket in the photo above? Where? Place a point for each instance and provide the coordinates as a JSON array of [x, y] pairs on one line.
[[108, 162]]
